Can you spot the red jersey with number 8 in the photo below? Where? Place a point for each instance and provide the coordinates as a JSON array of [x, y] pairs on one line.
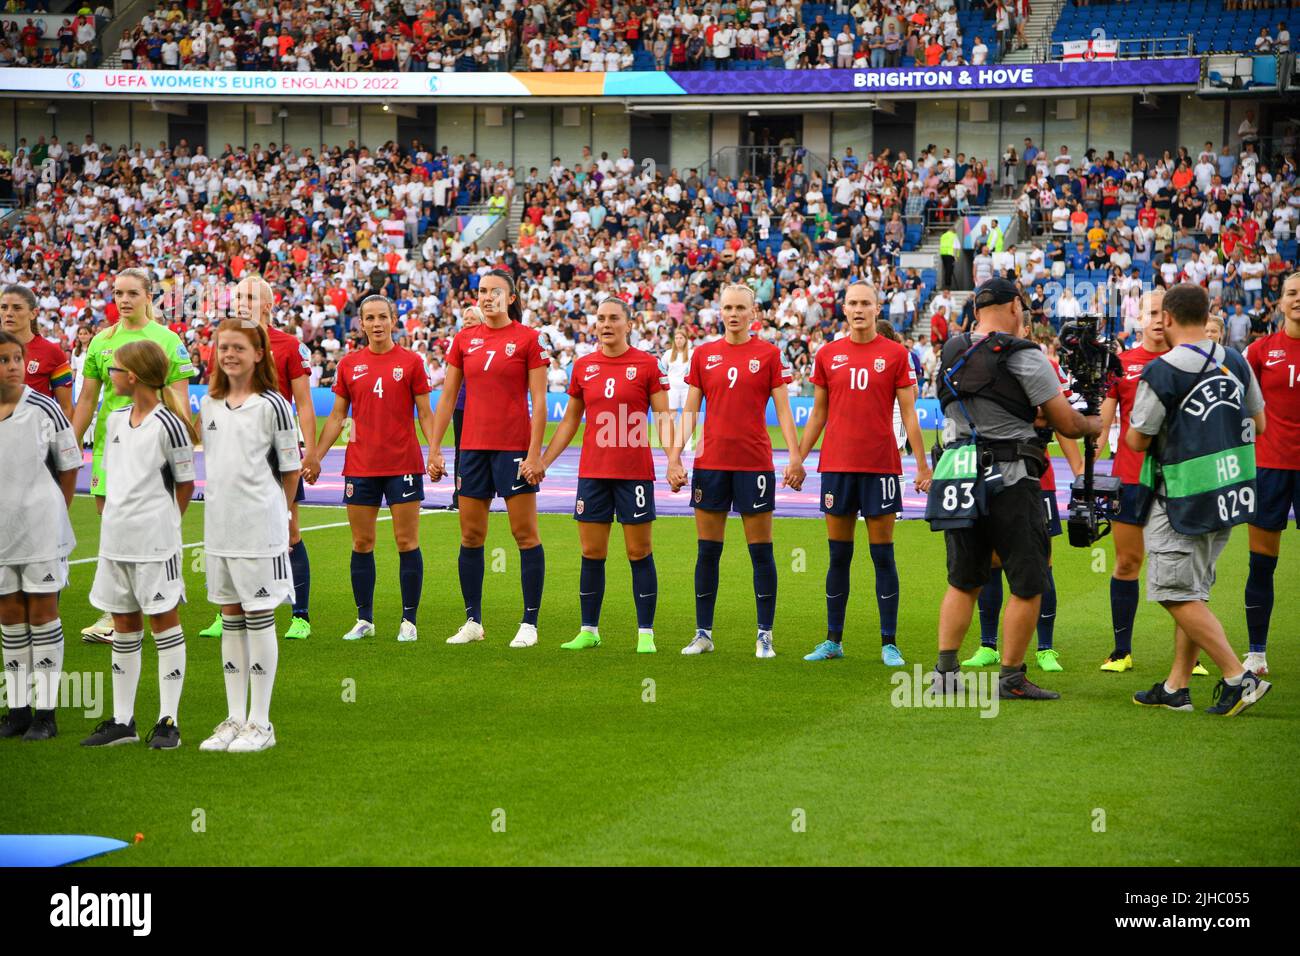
[[737, 381], [1275, 360], [862, 382], [496, 363], [616, 395], [381, 390]]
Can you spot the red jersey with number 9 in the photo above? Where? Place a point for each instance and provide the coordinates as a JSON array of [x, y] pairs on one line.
[[381, 390], [862, 382], [737, 381], [496, 363], [616, 395], [1275, 360]]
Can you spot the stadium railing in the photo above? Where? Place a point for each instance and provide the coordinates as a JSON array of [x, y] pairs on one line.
[[1139, 48]]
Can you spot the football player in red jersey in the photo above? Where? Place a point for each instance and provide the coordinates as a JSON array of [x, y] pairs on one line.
[[254, 302], [858, 379], [47, 369], [614, 387], [1276, 362], [733, 469], [383, 384], [1126, 525], [503, 366]]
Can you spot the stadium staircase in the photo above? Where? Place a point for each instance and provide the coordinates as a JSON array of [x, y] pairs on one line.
[[128, 14], [515, 216], [1038, 32]]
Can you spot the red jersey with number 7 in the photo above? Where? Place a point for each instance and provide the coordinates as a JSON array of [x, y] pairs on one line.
[[615, 393], [1128, 463], [496, 363], [1275, 360], [862, 382], [737, 381], [381, 390]]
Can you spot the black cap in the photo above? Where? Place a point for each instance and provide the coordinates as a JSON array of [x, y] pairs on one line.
[[997, 291]]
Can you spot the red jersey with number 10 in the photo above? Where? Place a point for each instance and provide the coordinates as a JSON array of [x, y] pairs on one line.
[[291, 358], [862, 382], [616, 395], [496, 363], [1275, 360], [382, 390], [1128, 463], [737, 381]]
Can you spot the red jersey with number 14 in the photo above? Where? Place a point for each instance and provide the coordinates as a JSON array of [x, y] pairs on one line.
[[382, 390], [862, 382], [1128, 463], [616, 395], [291, 358], [1275, 360], [737, 381], [496, 363]]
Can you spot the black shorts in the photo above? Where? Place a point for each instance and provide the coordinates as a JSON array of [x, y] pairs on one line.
[[372, 491], [599, 499], [488, 474], [745, 492], [1131, 507], [1278, 494], [1016, 528], [301, 493], [1052, 509], [852, 493]]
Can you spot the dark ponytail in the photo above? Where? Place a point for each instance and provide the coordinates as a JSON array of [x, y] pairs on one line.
[[515, 309]]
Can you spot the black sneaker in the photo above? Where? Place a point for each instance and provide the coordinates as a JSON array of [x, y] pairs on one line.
[[16, 722], [1019, 687], [43, 726], [1157, 696], [1231, 699], [946, 683], [109, 733], [165, 735]]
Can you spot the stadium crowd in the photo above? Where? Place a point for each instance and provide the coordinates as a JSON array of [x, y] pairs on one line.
[[562, 35], [325, 226], [72, 44]]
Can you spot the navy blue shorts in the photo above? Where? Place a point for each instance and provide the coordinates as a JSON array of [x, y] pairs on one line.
[[371, 492], [854, 492], [599, 499], [1278, 492], [1130, 505], [1053, 514], [489, 474], [745, 492], [301, 493]]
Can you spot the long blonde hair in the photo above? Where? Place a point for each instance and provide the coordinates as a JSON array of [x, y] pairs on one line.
[[142, 276], [149, 363]]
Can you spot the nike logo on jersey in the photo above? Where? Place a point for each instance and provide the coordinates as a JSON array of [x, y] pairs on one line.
[[1270, 364], [836, 368], [713, 362], [357, 376], [471, 351], [1133, 377], [591, 373]]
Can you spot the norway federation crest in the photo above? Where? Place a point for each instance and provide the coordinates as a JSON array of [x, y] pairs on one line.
[[397, 375], [347, 490], [631, 373], [580, 506], [879, 365], [33, 365], [699, 495], [754, 365], [510, 349], [829, 499]]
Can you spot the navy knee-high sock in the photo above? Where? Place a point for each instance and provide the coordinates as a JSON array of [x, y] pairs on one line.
[[707, 556], [363, 584], [1123, 610], [991, 609], [645, 591], [532, 578], [837, 588], [591, 590], [410, 576], [760, 556], [470, 566], [882, 556], [301, 569], [1047, 614], [1259, 600]]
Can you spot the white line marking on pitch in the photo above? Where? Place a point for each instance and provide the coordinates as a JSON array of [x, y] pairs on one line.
[[315, 527]]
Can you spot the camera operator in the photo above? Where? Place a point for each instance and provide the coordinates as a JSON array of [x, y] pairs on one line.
[[1197, 411], [993, 386]]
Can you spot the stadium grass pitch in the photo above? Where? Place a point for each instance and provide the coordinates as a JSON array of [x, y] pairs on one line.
[[487, 755]]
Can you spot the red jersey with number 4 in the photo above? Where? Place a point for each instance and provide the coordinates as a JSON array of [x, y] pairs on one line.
[[47, 366], [496, 363], [1128, 463], [737, 381], [382, 390], [862, 383], [616, 395], [292, 360], [1275, 360]]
